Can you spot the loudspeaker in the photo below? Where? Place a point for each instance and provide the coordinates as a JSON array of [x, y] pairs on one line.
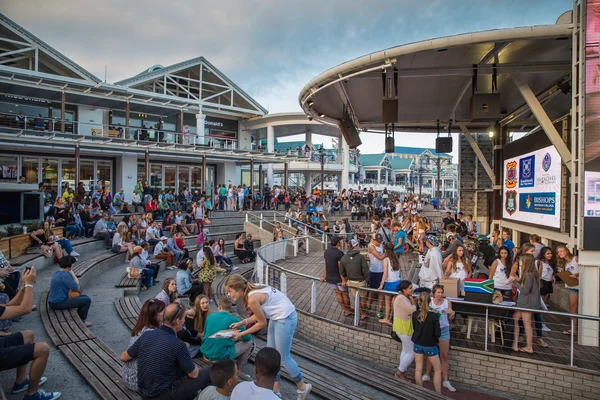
[[443, 145], [389, 111], [350, 133], [389, 144]]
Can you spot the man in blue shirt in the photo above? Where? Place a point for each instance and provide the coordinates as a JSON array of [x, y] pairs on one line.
[[165, 368], [399, 238], [311, 208], [506, 242]]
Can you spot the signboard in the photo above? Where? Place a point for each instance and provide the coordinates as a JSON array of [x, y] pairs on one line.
[[531, 188], [591, 190]]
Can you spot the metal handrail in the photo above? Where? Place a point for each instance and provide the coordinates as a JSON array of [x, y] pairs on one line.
[[263, 250]]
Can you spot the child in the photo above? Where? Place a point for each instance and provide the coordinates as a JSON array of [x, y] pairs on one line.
[[223, 375]]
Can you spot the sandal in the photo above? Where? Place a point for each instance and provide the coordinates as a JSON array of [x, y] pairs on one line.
[[568, 332], [522, 349]]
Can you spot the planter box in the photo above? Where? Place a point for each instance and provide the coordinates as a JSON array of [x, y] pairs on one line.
[[15, 246]]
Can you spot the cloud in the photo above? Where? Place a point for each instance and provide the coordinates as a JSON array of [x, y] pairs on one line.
[[270, 48]]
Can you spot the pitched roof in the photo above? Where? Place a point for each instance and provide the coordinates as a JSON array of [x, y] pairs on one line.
[[44, 48], [400, 162], [371, 160], [155, 72], [417, 151]]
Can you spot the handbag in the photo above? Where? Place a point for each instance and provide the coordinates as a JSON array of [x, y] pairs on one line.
[[73, 294], [395, 336], [133, 272]]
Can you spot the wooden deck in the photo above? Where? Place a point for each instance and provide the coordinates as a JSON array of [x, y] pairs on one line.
[[558, 350]]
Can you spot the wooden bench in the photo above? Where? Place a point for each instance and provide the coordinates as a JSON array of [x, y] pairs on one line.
[[24, 259], [127, 282], [129, 308], [81, 268], [98, 364]]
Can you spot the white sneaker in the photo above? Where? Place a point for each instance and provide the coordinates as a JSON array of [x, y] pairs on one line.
[[171, 267], [74, 254], [426, 378], [301, 395], [234, 268], [448, 386], [545, 328]]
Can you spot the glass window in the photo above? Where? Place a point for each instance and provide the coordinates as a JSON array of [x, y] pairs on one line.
[[184, 177], [68, 174], [210, 180], [156, 176], [86, 174], [30, 169], [141, 171], [170, 175], [196, 178], [50, 173], [103, 174], [9, 169]]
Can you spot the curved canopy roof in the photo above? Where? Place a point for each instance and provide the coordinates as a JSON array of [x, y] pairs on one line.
[[435, 79]]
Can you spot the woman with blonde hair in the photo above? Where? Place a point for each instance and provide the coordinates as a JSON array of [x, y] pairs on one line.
[[529, 297], [459, 266], [425, 337], [266, 302], [420, 231], [195, 318], [119, 242], [566, 261]]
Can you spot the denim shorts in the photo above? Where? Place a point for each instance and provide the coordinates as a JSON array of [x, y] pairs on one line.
[[337, 286], [445, 333], [571, 290], [431, 351]]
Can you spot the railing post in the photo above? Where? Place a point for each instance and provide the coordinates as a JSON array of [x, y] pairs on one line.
[[323, 238], [267, 273], [290, 222], [487, 310], [572, 339], [307, 240], [246, 217], [283, 283], [274, 217], [313, 297], [261, 220], [295, 247], [356, 308]]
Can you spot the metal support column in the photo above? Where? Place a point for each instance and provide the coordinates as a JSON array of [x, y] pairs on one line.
[[252, 177], [260, 178], [147, 166], [127, 111], [77, 163], [62, 112], [545, 122], [180, 126], [203, 177], [285, 175]]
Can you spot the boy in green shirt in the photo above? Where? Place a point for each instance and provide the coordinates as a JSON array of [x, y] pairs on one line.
[[224, 348]]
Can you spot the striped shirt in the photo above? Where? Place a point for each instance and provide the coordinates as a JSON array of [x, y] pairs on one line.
[[161, 358]]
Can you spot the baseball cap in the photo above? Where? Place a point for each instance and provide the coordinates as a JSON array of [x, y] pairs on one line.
[[449, 235], [164, 238], [335, 241], [386, 222], [137, 249], [354, 242], [432, 239], [378, 237]]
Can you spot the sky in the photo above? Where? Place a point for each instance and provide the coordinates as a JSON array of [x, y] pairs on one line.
[[270, 48]]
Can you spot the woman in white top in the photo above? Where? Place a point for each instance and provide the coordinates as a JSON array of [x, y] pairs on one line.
[[547, 258], [500, 272], [390, 280], [118, 243], [459, 266], [240, 198], [266, 302], [443, 308], [566, 261], [230, 199]]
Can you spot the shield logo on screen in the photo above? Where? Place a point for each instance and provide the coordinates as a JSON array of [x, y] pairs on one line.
[[546, 162], [511, 202], [511, 175], [527, 171]]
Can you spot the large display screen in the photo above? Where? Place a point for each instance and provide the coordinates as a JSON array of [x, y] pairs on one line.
[[591, 150], [531, 188]]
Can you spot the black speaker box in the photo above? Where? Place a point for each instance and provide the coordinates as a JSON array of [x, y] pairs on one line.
[[389, 144], [350, 133], [389, 111], [443, 145]]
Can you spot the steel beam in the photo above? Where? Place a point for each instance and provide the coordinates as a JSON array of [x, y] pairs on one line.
[[545, 122], [478, 153]]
